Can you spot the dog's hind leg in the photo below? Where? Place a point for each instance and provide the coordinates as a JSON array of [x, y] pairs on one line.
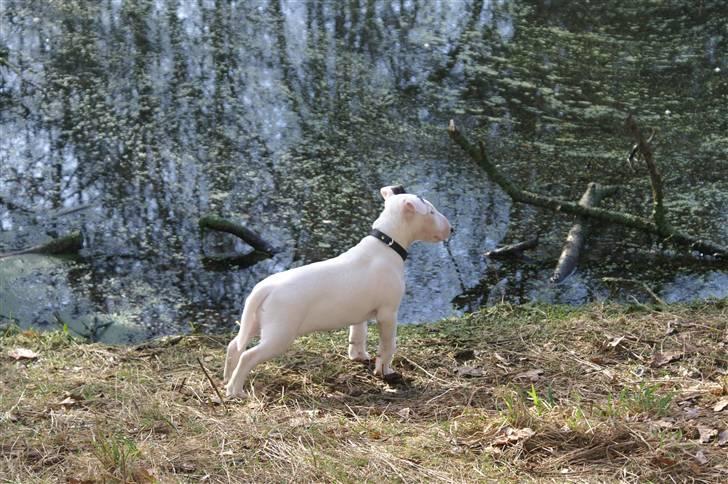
[[387, 342], [249, 327], [238, 344], [358, 342], [272, 344]]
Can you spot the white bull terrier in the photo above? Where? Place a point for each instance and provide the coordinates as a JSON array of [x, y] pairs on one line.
[[365, 282]]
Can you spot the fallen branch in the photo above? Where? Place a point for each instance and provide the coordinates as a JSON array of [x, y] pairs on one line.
[[671, 235], [212, 383], [68, 244], [513, 250], [645, 149], [576, 238], [251, 238]]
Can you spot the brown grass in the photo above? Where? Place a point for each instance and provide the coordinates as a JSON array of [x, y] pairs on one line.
[[535, 393]]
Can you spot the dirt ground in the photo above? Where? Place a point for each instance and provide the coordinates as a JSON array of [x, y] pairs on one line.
[[532, 393]]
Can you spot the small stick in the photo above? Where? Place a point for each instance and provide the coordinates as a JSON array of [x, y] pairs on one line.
[[212, 384], [635, 282], [513, 250]]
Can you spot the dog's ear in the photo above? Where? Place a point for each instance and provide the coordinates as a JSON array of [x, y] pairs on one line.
[[414, 204], [391, 190]]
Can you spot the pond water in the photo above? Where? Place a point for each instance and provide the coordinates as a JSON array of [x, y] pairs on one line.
[[128, 120]]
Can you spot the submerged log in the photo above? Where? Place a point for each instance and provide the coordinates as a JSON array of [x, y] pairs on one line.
[[512, 250], [68, 244], [225, 262], [666, 234], [576, 238], [248, 236]]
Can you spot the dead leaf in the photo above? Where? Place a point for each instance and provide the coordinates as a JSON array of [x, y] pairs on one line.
[[67, 402], [700, 457], [405, 412], [716, 389], [722, 438], [722, 403], [615, 342], [509, 436], [187, 467], [662, 359], [70, 400], [692, 412], [706, 433], [23, 354], [142, 474], [501, 359], [665, 423], [530, 375], [469, 372], [664, 461]]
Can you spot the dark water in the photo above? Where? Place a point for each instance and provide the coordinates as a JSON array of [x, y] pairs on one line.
[[289, 115]]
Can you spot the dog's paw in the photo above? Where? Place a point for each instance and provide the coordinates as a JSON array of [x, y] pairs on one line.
[[232, 393], [361, 356]]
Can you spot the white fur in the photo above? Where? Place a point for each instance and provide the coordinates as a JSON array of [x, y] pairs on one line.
[[365, 282]]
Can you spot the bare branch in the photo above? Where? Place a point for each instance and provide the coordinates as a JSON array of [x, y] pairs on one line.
[[665, 232], [645, 149]]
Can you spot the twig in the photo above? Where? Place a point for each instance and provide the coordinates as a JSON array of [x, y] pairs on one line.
[[425, 371], [635, 282], [212, 383]]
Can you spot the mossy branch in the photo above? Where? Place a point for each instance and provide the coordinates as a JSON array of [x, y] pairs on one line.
[[250, 237], [628, 220], [68, 244]]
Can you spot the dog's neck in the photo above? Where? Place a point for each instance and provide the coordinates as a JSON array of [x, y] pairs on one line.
[[390, 242], [395, 229]]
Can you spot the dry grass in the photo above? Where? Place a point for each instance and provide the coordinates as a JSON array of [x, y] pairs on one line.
[[597, 394]]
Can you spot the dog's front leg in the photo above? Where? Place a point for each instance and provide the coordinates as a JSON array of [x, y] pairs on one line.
[[387, 343]]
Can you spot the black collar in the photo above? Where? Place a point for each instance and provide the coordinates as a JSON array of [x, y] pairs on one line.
[[378, 234]]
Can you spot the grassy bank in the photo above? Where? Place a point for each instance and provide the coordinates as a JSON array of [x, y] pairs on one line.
[[603, 393]]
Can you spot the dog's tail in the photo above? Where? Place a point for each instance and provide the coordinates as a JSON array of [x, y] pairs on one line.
[[249, 320]]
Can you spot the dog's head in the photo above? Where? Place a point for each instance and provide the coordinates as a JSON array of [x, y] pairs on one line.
[[423, 219]]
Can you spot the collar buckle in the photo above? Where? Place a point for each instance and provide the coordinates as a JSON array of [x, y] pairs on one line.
[[390, 242]]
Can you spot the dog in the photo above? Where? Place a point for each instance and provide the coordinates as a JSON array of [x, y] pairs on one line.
[[363, 283]]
